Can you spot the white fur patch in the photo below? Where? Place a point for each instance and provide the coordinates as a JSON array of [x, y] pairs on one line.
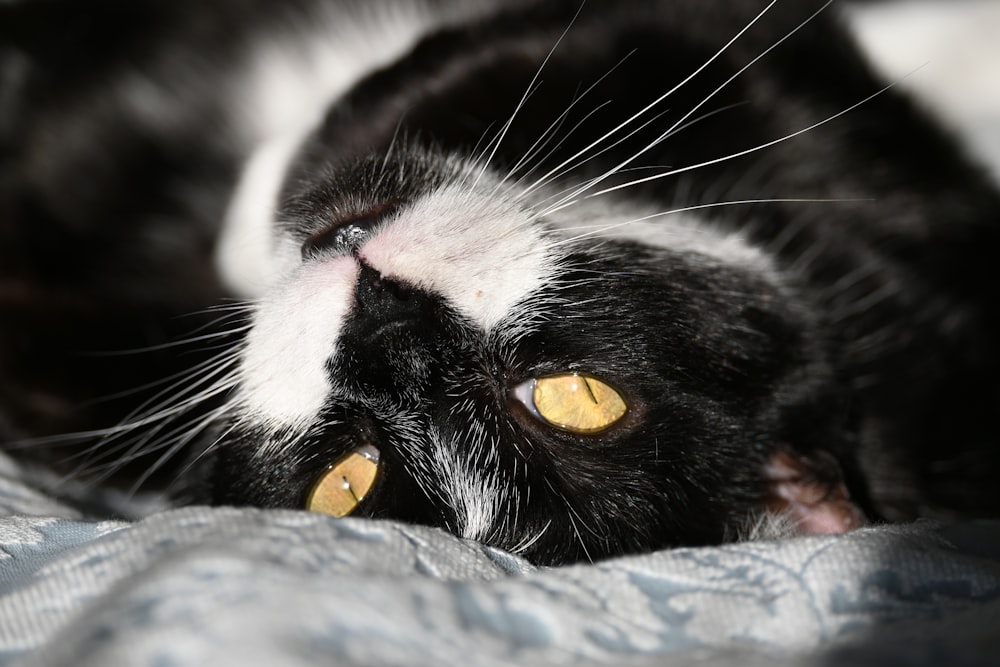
[[288, 87], [283, 380], [471, 485], [247, 256], [956, 46], [478, 251]]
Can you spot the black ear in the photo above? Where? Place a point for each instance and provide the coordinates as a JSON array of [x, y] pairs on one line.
[[810, 489]]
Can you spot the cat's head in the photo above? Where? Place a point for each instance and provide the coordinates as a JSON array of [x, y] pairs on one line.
[[452, 338], [564, 383]]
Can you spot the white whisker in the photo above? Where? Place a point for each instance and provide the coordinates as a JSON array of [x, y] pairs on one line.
[[670, 131], [655, 102], [524, 98], [553, 128], [598, 230], [392, 144], [561, 196], [749, 151], [585, 159], [180, 445], [530, 539]]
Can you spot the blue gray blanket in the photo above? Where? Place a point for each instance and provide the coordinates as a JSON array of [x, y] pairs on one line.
[[225, 586]]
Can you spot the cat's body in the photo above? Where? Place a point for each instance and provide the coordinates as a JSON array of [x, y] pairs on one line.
[[793, 293]]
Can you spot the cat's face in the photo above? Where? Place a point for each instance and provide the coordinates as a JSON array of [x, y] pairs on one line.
[[464, 342], [445, 326]]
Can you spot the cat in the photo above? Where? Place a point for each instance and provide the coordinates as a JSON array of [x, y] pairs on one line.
[[572, 279]]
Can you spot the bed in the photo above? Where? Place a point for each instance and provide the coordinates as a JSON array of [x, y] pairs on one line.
[[221, 586]]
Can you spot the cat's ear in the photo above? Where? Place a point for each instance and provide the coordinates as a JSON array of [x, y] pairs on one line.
[[810, 490]]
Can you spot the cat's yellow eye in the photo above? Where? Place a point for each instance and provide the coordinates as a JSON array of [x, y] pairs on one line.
[[343, 486], [573, 402]]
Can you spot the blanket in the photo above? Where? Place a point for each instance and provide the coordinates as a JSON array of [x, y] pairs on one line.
[[222, 586]]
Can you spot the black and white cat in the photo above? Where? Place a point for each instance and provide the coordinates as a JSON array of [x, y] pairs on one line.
[[573, 279]]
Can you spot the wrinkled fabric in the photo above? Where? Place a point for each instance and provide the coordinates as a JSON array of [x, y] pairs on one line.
[[224, 586]]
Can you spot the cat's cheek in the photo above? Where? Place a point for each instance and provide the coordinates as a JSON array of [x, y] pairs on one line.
[[295, 328]]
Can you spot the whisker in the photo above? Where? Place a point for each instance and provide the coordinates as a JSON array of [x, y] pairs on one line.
[[180, 342], [553, 128], [187, 373], [558, 205], [194, 378], [659, 99], [584, 160], [114, 458], [179, 446], [530, 540], [598, 230], [208, 449], [570, 133], [754, 149], [392, 144], [493, 145], [531, 85], [669, 132], [107, 445]]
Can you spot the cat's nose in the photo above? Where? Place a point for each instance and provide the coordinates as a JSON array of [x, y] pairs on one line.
[[381, 300], [346, 236]]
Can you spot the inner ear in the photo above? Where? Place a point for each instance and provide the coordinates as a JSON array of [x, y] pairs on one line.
[[810, 490]]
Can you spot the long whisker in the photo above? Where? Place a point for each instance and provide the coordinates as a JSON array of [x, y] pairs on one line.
[[190, 382], [530, 540], [178, 446], [598, 230], [524, 98], [553, 128], [748, 151], [493, 145], [173, 441], [181, 376], [561, 197], [107, 447], [670, 131], [659, 99], [392, 143], [181, 342], [182, 473], [587, 158], [155, 419]]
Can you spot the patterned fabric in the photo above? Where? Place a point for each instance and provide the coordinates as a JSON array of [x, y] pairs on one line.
[[223, 586]]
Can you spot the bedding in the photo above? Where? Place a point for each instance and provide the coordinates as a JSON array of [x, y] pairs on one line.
[[226, 586]]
